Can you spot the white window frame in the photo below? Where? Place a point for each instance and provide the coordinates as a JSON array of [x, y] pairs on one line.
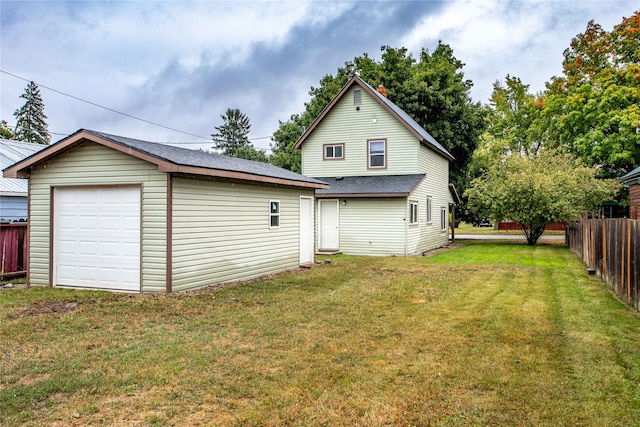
[[413, 212], [443, 219], [429, 210], [384, 154], [273, 215], [334, 157]]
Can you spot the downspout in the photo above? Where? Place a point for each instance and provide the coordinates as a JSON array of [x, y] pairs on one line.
[[169, 231]]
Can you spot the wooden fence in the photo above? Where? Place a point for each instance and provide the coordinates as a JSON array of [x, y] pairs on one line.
[[611, 248], [13, 244]]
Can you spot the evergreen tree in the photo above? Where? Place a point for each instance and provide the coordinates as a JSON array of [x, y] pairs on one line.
[[31, 122], [233, 134]]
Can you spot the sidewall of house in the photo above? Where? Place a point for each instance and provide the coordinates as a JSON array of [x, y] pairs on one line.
[[428, 235], [221, 231], [371, 226], [91, 164]]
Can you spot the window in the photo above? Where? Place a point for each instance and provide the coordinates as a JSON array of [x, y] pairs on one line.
[[377, 154], [429, 210], [274, 214], [333, 152], [357, 97], [443, 219], [413, 212]]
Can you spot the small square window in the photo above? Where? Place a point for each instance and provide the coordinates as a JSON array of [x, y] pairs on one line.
[[413, 212], [274, 214], [334, 151]]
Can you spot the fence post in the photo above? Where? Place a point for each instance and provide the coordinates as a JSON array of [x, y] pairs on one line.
[[629, 261], [604, 249]]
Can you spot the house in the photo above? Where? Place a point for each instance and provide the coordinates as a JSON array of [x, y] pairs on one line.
[[389, 179], [632, 180], [13, 192], [117, 213]]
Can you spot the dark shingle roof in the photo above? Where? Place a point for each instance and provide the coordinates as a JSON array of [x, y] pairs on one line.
[[371, 186], [200, 159]]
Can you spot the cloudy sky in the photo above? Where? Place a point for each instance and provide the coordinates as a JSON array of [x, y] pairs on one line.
[[181, 64]]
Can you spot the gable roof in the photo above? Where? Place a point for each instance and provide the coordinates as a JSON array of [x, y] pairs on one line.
[[632, 177], [400, 115], [370, 186], [11, 152], [169, 159]]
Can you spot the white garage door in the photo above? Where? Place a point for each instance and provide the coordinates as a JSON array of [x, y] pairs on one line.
[[97, 237]]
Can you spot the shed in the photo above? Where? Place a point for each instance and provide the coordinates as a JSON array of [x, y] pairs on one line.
[[117, 213], [632, 180]]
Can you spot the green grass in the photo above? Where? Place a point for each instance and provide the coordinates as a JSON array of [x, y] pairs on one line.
[[484, 334]]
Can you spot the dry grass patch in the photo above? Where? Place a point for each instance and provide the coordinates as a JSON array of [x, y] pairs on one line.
[[484, 334]]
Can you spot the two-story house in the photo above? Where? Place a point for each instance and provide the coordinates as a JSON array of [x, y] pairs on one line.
[[389, 179]]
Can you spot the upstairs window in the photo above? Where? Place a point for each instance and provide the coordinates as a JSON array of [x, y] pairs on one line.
[[377, 154], [357, 97], [334, 152], [274, 213]]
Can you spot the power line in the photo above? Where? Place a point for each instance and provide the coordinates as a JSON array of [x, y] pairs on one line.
[[129, 115], [105, 108]]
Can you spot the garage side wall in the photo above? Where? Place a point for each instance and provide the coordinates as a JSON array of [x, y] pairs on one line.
[[221, 231], [92, 164]]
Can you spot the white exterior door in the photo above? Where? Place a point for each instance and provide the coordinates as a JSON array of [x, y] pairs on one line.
[[328, 225], [306, 230], [97, 237]]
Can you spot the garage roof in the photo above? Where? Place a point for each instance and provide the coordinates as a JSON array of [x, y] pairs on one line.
[[169, 159]]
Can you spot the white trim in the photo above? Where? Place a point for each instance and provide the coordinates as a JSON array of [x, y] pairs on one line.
[[274, 214]]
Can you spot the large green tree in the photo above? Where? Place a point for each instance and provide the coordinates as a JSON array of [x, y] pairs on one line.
[[593, 109], [431, 89], [31, 122], [535, 190]]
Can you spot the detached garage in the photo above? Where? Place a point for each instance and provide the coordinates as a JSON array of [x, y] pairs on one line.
[[109, 212]]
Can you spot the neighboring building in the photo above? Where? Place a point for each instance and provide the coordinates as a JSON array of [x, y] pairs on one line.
[[632, 180], [116, 213], [390, 191], [13, 192]]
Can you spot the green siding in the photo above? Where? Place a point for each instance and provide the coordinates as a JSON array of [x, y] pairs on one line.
[[345, 124], [93, 164], [372, 226], [221, 231]]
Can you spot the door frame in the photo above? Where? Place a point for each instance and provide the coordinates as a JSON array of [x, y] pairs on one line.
[[320, 220], [309, 231]]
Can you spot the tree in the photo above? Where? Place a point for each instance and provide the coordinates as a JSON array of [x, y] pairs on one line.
[[593, 110], [432, 90], [537, 190], [513, 117], [249, 152], [5, 131], [31, 122], [233, 134]]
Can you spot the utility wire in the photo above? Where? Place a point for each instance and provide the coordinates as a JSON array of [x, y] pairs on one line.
[[125, 114]]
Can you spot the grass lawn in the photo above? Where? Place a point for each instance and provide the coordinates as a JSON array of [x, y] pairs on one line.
[[487, 334]]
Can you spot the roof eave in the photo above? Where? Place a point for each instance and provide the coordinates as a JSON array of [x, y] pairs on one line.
[[22, 169], [359, 195]]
